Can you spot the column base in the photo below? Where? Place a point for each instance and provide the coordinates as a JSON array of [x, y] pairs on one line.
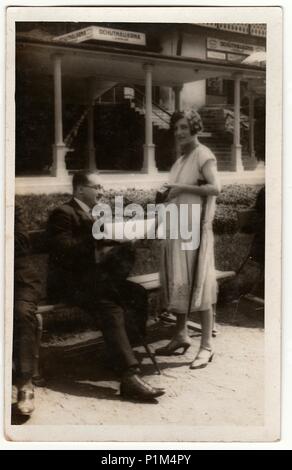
[[260, 165], [237, 158], [253, 160], [59, 165], [253, 155], [149, 164]]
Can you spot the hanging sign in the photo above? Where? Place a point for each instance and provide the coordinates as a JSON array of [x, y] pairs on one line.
[[221, 46], [99, 33], [216, 55]]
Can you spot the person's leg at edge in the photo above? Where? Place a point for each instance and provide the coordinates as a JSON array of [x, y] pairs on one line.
[[25, 325]]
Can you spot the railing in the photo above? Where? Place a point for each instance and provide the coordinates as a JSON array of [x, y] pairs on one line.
[[153, 102], [141, 99], [256, 29], [242, 28], [72, 134]]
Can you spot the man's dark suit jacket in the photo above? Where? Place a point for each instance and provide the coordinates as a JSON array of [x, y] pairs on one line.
[[71, 249], [73, 274], [26, 280]]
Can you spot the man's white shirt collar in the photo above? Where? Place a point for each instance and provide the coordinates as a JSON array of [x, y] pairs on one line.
[[83, 206]]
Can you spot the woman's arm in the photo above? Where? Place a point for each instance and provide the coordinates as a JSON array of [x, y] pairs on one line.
[[211, 188]]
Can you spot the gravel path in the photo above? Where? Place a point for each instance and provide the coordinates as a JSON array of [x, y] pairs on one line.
[[230, 391]]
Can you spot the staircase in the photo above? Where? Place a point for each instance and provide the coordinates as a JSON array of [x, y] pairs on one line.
[[160, 117], [219, 136], [213, 119]]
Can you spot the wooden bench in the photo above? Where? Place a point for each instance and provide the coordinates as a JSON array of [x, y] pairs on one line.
[[89, 338]]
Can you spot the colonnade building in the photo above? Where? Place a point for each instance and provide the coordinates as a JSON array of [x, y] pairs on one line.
[[100, 96]]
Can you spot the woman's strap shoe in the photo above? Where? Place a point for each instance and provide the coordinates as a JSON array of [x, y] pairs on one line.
[[171, 349], [202, 359]]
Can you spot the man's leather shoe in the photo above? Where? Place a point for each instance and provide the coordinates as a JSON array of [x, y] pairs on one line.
[[134, 387], [38, 381], [25, 404]]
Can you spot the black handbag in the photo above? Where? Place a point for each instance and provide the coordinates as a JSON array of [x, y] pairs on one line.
[[161, 196]]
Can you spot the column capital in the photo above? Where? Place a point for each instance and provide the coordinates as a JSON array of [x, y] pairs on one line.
[[148, 67], [237, 75], [56, 55]]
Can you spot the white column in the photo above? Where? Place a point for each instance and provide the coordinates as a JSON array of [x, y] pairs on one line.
[[236, 148], [177, 107], [177, 104], [90, 140], [170, 105], [90, 128], [59, 148], [251, 124], [149, 165]]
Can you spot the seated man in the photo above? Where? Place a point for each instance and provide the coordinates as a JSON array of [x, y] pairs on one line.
[[26, 297], [77, 276]]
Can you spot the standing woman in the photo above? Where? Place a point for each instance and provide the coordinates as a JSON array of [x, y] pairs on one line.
[[188, 277]]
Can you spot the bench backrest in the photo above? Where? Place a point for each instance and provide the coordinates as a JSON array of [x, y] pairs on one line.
[[38, 241]]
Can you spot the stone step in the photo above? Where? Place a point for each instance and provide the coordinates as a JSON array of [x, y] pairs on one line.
[[222, 146], [214, 125], [212, 119], [159, 118]]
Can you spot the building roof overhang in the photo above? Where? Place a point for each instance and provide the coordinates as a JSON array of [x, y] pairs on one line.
[[124, 65]]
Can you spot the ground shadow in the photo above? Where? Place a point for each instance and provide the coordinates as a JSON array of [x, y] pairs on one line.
[[238, 314], [89, 375]]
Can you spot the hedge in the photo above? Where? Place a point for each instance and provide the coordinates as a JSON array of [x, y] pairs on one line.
[[36, 208]]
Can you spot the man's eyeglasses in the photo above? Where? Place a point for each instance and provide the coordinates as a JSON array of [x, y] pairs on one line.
[[96, 187]]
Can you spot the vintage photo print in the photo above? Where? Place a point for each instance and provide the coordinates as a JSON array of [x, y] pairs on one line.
[[143, 224]]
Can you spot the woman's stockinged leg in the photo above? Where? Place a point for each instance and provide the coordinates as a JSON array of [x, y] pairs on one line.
[[206, 317], [181, 331], [205, 354], [180, 340]]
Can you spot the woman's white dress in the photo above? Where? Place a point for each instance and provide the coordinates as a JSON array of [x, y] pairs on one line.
[[182, 268]]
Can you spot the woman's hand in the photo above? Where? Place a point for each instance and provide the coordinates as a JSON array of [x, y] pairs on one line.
[[175, 190]]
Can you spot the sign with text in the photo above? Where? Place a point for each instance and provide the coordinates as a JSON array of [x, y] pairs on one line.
[[99, 33], [230, 51]]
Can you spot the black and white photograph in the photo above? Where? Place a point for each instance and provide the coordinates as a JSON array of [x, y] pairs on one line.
[[143, 224]]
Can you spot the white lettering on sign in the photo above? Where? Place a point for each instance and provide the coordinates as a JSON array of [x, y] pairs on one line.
[[98, 33], [230, 46]]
